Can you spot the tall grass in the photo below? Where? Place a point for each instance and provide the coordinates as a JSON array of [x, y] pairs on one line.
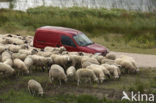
[[135, 28]]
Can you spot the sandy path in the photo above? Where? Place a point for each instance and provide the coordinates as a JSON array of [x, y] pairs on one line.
[[143, 60]]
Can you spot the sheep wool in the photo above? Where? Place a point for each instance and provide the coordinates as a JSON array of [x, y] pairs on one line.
[[20, 65], [57, 72], [35, 87], [85, 73]]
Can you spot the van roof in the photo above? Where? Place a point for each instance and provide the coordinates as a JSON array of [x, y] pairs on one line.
[[60, 29]]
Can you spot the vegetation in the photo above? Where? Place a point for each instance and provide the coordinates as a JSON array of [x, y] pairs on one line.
[[14, 90], [117, 29]]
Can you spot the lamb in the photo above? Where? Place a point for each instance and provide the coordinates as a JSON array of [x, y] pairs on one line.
[[6, 69], [20, 65], [128, 63], [111, 56], [57, 72], [113, 69], [98, 72], [71, 72], [35, 87], [85, 73]]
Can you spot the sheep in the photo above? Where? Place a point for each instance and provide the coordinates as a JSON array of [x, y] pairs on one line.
[[35, 87], [45, 54], [71, 72], [76, 60], [57, 72], [6, 69], [2, 48], [62, 60], [14, 48], [111, 56], [128, 63], [85, 73], [99, 58], [49, 49], [20, 65], [28, 61], [108, 61], [6, 55], [113, 69], [98, 72], [19, 56], [8, 62], [89, 59], [85, 64], [40, 61], [14, 40]]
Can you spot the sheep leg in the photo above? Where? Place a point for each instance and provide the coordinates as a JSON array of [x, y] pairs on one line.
[[90, 81], [60, 82], [29, 90], [78, 82]]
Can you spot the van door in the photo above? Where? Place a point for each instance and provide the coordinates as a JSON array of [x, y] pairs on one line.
[[68, 43]]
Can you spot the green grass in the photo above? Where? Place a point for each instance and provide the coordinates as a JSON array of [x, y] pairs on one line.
[[15, 89], [119, 30]]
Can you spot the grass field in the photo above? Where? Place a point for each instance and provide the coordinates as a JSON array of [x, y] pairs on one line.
[[119, 30], [14, 90]]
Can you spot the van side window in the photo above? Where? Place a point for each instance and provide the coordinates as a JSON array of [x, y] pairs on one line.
[[65, 40]]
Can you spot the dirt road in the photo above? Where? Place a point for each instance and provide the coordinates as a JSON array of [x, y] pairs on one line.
[[143, 60]]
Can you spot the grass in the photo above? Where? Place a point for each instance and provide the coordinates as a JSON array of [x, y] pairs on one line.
[[14, 90], [118, 30]]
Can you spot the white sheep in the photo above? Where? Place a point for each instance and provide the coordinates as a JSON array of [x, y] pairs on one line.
[[8, 62], [2, 48], [20, 65], [28, 62], [76, 60], [49, 49], [14, 48], [89, 59], [6, 55], [62, 60], [107, 61], [85, 64], [40, 61], [128, 63], [6, 69], [98, 72], [113, 69], [57, 72], [35, 87], [85, 73], [111, 56], [71, 72], [19, 56]]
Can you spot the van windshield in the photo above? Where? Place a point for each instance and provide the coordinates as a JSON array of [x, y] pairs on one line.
[[82, 40]]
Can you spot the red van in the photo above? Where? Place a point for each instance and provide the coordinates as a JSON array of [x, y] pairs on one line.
[[71, 39]]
